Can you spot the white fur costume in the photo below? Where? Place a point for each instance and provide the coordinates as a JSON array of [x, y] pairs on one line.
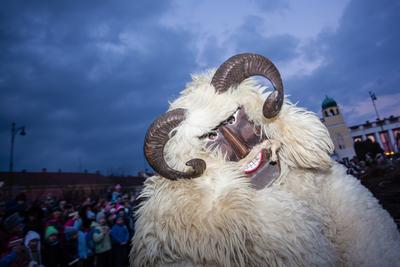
[[313, 215]]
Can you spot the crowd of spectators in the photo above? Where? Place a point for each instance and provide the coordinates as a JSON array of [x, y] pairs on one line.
[[58, 233], [372, 164], [96, 231]]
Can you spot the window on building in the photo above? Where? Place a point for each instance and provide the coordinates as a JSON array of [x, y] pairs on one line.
[[326, 113], [340, 141], [332, 112], [396, 135], [385, 140]]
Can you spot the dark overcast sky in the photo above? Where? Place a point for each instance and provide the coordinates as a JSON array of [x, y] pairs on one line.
[[87, 78]]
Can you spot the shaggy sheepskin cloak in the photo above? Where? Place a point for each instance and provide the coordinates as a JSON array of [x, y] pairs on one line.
[[314, 214]]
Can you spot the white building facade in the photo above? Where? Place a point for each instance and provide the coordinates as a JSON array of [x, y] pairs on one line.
[[385, 131]]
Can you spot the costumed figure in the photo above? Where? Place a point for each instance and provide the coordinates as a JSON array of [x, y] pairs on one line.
[[245, 178]]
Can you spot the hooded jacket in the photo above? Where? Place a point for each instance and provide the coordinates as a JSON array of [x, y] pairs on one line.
[[33, 255], [101, 237]]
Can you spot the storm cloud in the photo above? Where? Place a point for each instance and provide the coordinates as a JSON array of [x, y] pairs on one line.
[[361, 55], [87, 78]]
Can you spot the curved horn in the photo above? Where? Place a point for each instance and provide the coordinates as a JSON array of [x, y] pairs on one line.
[[157, 137], [242, 66]]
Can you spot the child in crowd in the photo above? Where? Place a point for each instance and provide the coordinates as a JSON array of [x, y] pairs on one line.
[[101, 237], [116, 194], [56, 219], [32, 248], [120, 238], [52, 252]]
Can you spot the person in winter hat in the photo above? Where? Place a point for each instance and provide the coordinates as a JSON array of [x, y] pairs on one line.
[[56, 219], [116, 194], [120, 236], [51, 234], [101, 237], [32, 247], [52, 252]]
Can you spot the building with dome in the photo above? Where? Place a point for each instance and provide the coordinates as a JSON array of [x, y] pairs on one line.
[[338, 130]]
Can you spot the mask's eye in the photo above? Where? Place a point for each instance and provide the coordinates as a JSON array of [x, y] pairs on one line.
[[212, 136], [232, 119]]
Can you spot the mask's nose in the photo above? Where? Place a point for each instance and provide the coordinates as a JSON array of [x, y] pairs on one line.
[[238, 145]]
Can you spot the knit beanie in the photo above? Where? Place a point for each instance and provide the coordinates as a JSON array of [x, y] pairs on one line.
[[50, 230]]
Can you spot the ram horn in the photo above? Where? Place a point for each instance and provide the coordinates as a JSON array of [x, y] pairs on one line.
[[242, 66], [157, 137]]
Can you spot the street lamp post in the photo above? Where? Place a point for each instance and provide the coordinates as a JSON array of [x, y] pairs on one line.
[[373, 99], [14, 131]]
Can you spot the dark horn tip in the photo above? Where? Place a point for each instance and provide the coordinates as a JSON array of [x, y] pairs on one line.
[[273, 104], [198, 165], [157, 137]]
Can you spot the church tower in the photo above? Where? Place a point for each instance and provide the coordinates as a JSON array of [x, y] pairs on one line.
[[340, 134]]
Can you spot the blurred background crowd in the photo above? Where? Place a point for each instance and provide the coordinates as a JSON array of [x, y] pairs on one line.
[[94, 231]]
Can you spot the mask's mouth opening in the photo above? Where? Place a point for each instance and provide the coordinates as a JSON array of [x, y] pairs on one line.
[[256, 162], [262, 167]]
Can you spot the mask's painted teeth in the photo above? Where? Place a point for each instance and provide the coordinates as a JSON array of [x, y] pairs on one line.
[[253, 165]]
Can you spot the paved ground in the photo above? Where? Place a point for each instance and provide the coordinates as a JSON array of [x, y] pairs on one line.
[[385, 185]]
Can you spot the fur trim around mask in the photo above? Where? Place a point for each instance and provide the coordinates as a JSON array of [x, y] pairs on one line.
[[305, 140]]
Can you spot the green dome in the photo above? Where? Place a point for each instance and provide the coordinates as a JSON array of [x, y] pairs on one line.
[[328, 103]]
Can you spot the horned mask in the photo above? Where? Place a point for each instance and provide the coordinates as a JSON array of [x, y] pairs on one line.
[[236, 136]]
